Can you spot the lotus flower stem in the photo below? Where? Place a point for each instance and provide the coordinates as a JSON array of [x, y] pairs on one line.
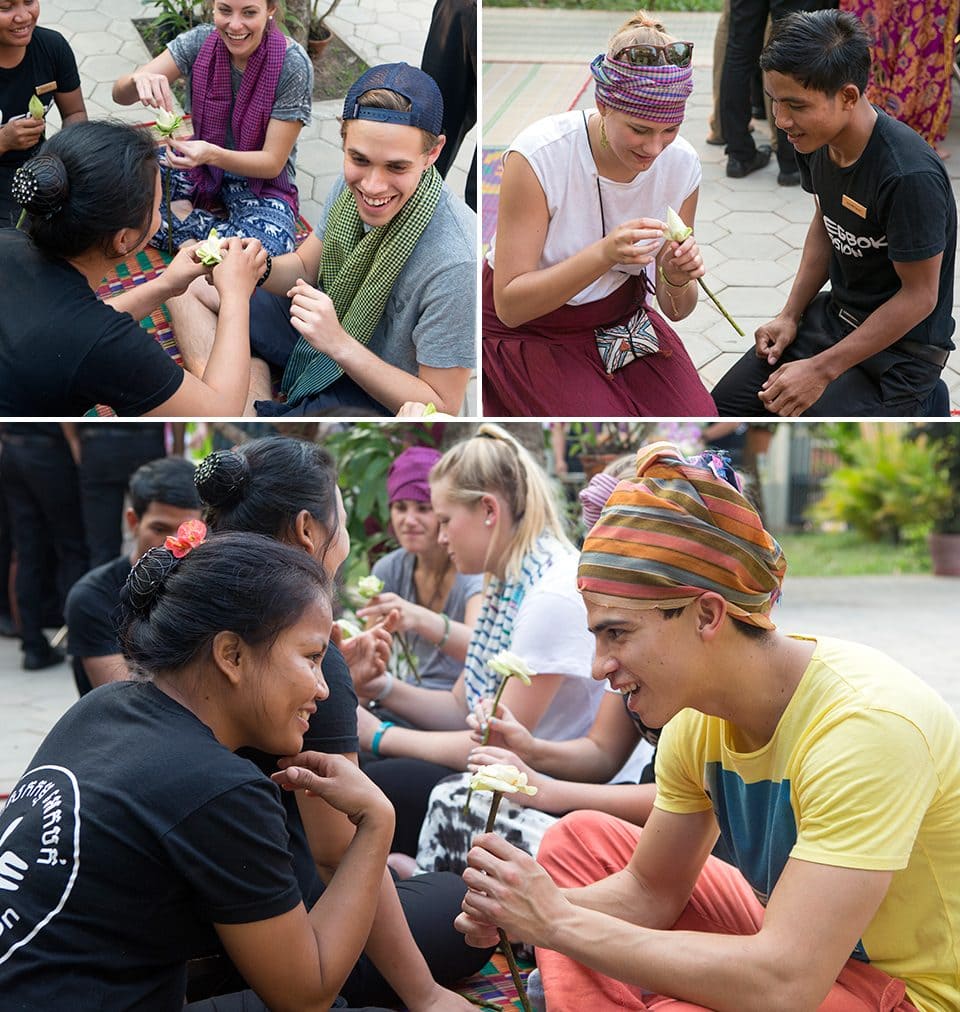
[[505, 947], [486, 738], [169, 206], [716, 302], [409, 658]]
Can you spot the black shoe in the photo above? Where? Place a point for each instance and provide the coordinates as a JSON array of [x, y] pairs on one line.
[[7, 628], [36, 659], [788, 178], [761, 158]]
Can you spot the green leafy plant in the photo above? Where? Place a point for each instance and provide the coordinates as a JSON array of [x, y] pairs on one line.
[[176, 16], [892, 488], [318, 27]]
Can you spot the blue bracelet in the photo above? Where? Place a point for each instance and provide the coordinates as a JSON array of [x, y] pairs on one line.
[[377, 735]]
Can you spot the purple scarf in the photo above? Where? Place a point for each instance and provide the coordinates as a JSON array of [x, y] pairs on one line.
[[658, 94], [212, 98]]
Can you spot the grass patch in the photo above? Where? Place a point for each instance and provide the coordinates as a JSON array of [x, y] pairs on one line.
[[335, 70], [629, 6], [845, 553]]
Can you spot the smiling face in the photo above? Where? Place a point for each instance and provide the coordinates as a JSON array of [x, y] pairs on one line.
[[241, 24], [414, 524], [809, 118], [645, 656], [463, 529], [383, 164], [283, 682], [17, 21], [637, 143]]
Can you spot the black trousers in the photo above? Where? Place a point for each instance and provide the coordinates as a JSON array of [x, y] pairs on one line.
[[110, 453], [42, 493], [450, 58], [407, 783], [748, 22], [888, 383]]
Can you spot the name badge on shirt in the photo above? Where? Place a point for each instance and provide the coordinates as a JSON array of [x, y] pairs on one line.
[[42, 89], [851, 205]]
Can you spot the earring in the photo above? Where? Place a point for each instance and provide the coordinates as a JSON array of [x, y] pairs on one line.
[[604, 143], [488, 521]]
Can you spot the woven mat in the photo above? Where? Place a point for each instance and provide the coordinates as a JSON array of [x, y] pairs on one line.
[[494, 985], [145, 266], [490, 193]]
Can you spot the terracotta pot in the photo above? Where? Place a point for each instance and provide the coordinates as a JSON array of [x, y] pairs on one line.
[[594, 463], [317, 44], [945, 554]]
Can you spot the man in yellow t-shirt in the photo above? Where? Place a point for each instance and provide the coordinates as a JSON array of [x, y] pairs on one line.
[[831, 773]]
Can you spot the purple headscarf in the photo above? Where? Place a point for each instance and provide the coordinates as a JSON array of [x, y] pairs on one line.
[[658, 94], [407, 477], [594, 497]]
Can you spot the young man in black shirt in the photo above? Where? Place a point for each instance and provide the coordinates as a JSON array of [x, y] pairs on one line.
[[884, 233], [162, 496]]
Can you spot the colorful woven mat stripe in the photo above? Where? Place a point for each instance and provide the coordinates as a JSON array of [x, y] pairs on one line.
[[493, 985], [490, 193]]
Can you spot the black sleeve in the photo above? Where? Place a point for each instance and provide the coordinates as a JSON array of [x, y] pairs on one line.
[[919, 197], [90, 620], [68, 77], [333, 728], [806, 180], [125, 368], [234, 853]]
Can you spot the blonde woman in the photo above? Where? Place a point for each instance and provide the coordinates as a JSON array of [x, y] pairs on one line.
[[569, 326], [497, 517]]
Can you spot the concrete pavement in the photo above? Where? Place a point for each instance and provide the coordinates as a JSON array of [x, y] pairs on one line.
[[910, 617], [751, 231]]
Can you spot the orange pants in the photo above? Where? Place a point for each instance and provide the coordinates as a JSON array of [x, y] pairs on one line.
[[584, 847]]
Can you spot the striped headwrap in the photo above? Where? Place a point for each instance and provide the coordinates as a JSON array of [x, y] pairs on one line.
[[658, 94], [682, 528]]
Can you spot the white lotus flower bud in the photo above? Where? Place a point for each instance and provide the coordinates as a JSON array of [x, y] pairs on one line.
[[501, 778], [210, 251], [369, 586], [511, 666], [676, 229]]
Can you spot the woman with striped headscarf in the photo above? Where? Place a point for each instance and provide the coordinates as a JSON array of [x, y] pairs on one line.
[[569, 326]]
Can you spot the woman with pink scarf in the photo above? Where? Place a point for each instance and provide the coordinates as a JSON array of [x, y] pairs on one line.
[[569, 325], [250, 90]]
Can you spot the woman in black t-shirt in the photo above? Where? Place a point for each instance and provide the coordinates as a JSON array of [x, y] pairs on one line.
[[138, 835], [91, 199], [287, 489]]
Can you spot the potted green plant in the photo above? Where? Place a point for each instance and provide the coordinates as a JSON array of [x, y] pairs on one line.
[[318, 34]]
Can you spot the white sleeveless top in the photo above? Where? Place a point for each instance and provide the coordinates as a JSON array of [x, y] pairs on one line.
[[558, 151]]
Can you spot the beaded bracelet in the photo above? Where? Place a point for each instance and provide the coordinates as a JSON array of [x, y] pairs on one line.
[[446, 630], [266, 274], [377, 735]]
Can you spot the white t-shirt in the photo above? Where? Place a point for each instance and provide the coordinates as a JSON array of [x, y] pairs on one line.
[[558, 151], [550, 633]]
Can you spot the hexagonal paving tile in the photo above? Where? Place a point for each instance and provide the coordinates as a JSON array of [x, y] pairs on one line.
[[767, 273], [763, 247], [94, 44], [751, 301]]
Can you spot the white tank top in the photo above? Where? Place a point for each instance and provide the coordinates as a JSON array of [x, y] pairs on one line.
[[558, 151]]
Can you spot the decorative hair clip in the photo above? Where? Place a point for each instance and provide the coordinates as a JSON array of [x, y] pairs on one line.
[[190, 534], [24, 186], [221, 477]]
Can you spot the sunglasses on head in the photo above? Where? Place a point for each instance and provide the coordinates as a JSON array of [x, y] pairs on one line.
[[645, 54]]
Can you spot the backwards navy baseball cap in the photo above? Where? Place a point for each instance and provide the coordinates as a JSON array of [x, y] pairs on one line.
[[420, 90]]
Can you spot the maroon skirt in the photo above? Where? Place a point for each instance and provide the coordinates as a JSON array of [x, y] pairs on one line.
[[550, 366]]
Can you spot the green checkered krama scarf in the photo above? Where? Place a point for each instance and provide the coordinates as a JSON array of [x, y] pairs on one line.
[[358, 269]]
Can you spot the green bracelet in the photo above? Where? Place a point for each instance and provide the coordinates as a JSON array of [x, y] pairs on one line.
[[377, 735], [446, 630]]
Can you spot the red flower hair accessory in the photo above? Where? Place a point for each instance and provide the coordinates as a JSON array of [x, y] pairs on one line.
[[189, 534]]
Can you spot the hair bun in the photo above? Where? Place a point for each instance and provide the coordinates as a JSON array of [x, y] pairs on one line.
[[221, 478], [147, 578], [41, 186]]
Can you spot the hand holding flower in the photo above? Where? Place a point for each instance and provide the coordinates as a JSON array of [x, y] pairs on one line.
[[502, 728], [244, 260], [635, 242], [678, 231], [190, 154], [153, 90], [500, 779]]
